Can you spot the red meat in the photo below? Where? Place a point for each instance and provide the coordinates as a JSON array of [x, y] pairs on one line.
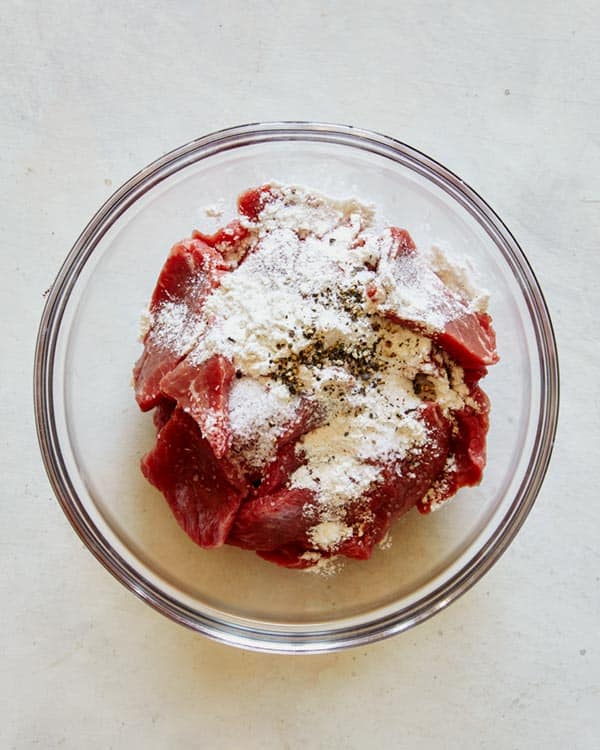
[[279, 522], [467, 448], [286, 460], [289, 556], [187, 277], [277, 473], [468, 337], [252, 202], [202, 391], [403, 484], [275, 520], [183, 467], [232, 241], [403, 243], [215, 495], [164, 409], [470, 340]]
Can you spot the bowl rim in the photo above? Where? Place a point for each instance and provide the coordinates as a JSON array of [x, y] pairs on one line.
[[294, 641]]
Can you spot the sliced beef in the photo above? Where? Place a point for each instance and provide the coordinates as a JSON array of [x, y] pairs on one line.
[[202, 391], [251, 202], [279, 522], [279, 470], [308, 416], [274, 474], [215, 492], [183, 467], [187, 277], [468, 444], [403, 484], [232, 241], [467, 450], [470, 340], [273, 521], [402, 242], [467, 336], [163, 411], [290, 556]]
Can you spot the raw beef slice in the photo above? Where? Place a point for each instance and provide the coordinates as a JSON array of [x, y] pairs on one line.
[[188, 275], [183, 467]]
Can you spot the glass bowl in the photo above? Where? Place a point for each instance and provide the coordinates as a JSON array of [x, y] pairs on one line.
[[92, 434]]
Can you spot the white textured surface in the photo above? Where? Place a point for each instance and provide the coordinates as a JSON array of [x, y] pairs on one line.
[[507, 95]]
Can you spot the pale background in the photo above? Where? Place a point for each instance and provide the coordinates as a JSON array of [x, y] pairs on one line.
[[505, 93]]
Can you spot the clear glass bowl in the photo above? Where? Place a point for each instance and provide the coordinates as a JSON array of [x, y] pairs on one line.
[[92, 434]]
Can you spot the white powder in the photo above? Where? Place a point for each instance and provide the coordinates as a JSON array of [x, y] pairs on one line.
[[295, 319], [459, 275], [175, 327], [328, 534], [214, 212], [325, 566], [259, 412], [306, 212], [409, 284], [362, 432], [286, 287], [437, 495], [145, 324]]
